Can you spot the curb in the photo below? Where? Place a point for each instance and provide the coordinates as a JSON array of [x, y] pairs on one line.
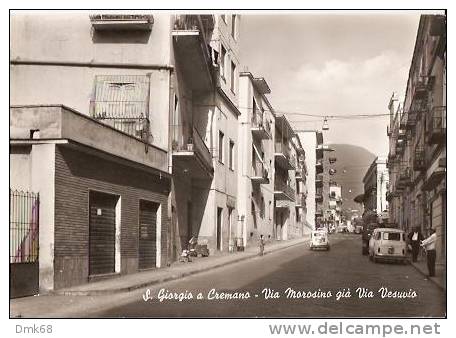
[[168, 278], [432, 279]]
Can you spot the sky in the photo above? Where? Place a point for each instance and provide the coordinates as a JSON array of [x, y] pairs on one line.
[[332, 64]]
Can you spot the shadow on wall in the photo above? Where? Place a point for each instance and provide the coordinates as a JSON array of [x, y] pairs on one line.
[[118, 36]]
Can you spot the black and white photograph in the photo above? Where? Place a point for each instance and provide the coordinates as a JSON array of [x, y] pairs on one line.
[[228, 164]]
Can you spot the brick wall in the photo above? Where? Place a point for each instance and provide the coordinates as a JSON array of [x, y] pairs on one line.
[[76, 173]]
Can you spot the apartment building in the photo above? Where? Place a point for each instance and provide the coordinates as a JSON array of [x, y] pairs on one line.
[[284, 178], [138, 118], [204, 135], [300, 225], [376, 182], [89, 133], [312, 142], [417, 138], [255, 198], [335, 205]]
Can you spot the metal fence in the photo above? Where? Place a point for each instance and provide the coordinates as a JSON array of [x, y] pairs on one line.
[[24, 226]]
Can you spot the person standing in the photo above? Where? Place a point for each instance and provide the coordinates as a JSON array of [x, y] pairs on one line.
[[261, 244], [415, 238], [429, 245]]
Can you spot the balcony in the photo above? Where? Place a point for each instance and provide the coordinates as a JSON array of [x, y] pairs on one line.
[[318, 196], [410, 120], [116, 22], [435, 173], [73, 129], [400, 147], [122, 102], [283, 157], [191, 156], [319, 166], [300, 200], [405, 176], [420, 90], [261, 128], [436, 126], [402, 135], [419, 163], [319, 180], [191, 35], [260, 174], [283, 191], [300, 174]]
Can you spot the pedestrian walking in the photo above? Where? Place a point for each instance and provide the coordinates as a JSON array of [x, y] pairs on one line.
[[429, 245], [415, 237], [261, 244]]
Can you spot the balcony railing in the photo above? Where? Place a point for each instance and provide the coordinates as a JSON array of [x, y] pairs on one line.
[[187, 141], [436, 130], [405, 175], [419, 162], [202, 23], [284, 189], [260, 173], [261, 126], [282, 150], [122, 101], [134, 22]]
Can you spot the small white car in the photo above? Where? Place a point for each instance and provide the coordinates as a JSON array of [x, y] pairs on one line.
[[319, 240], [388, 244]]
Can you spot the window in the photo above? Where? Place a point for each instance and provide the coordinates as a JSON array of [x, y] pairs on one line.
[[231, 159], [233, 26], [222, 62], [233, 76], [220, 146], [392, 236]]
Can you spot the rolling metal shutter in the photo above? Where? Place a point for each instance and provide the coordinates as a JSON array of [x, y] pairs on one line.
[[147, 234], [102, 230]]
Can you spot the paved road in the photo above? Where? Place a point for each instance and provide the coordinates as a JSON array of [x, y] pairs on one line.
[[298, 268]]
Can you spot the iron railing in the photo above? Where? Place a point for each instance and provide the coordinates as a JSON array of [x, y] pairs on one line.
[[122, 102], [189, 139], [284, 187], [437, 123], [419, 160], [24, 226], [258, 121], [282, 148], [259, 170]]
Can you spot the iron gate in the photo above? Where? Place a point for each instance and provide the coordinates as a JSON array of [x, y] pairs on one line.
[[24, 243]]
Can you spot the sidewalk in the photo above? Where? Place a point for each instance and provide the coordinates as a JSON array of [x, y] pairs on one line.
[[68, 302], [440, 273]]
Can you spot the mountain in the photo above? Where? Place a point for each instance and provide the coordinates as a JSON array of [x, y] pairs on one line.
[[351, 166]]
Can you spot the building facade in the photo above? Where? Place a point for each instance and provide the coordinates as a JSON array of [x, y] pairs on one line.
[[376, 182], [89, 133], [417, 135], [312, 142], [255, 160]]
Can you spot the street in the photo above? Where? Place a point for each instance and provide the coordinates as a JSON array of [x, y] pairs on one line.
[[322, 273]]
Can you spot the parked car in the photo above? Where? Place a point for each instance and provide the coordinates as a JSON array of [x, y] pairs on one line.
[[319, 240], [388, 244]]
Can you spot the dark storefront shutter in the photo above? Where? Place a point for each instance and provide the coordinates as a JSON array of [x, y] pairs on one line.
[[147, 234], [102, 233]]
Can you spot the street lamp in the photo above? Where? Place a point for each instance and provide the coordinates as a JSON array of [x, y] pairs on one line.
[[325, 124]]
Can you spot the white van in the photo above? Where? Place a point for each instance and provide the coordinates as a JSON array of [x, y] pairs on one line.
[[388, 244]]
